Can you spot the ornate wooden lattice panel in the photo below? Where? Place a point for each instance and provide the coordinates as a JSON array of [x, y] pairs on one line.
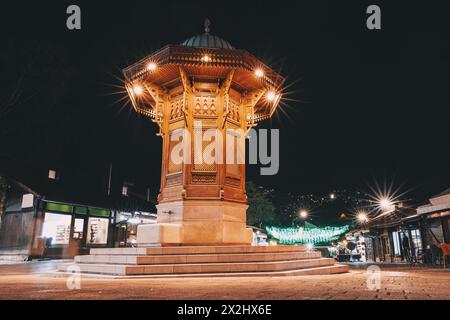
[[173, 165], [205, 106], [202, 159], [176, 108], [234, 112], [204, 177], [234, 154]]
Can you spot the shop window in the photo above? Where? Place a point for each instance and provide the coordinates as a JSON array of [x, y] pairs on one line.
[[78, 228], [416, 239], [396, 243], [57, 228], [97, 231]]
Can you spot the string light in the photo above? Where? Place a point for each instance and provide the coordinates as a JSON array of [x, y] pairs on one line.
[[304, 235]]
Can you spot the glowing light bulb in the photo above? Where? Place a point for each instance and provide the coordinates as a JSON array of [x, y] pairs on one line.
[[332, 196], [206, 58], [151, 66], [259, 73], [138, 89], [271, 95]]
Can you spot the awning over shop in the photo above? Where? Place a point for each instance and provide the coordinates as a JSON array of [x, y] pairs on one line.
[[438, 204]]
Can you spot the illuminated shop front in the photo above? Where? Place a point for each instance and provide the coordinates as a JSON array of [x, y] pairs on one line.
[[355, 247], [67, 229], [396, 236], [52, 224], [436, 226], [126, 226]]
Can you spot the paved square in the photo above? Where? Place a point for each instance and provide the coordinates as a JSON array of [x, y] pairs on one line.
[[24, 281]]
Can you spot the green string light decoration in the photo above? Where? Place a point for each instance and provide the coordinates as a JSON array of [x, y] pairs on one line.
[[308, 234]]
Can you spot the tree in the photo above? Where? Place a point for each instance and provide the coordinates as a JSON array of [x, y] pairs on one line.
[[261, 211]]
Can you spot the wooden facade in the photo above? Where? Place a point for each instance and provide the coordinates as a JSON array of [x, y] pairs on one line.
[[187, 90]]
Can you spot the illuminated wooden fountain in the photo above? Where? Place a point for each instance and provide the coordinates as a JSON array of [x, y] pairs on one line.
[[202, 84]]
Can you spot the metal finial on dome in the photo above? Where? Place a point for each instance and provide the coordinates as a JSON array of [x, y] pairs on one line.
[[206, 40], [207, 24]]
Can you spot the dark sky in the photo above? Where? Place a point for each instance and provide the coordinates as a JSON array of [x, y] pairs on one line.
[[369, 104]]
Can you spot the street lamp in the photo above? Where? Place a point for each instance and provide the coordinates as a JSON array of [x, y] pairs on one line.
[[303, 214], [385, 203], [362, 217]]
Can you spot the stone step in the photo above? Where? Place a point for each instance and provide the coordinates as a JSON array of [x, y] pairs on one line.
[[333, 269], [196, 258], [120, 269], [193, 250], [20, 252], [13, 258]]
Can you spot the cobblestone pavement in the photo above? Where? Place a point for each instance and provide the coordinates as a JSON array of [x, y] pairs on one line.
[[24, 281]]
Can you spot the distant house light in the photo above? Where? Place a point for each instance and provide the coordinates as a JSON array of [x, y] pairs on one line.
[[125, 190], [52, 174], [27, 200]]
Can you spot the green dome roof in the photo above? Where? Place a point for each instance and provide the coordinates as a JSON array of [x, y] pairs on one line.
[[207, 40]]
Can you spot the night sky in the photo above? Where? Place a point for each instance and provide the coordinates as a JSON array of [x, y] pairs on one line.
[[365, 104]]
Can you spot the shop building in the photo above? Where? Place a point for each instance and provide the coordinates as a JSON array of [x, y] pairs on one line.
[[408, 233], [436, 221], [391, 236], [355, 247], [46, 224], [259, 236], [126, 224]]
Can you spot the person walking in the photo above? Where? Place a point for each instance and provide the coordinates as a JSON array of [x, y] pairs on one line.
[[406, 248]]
